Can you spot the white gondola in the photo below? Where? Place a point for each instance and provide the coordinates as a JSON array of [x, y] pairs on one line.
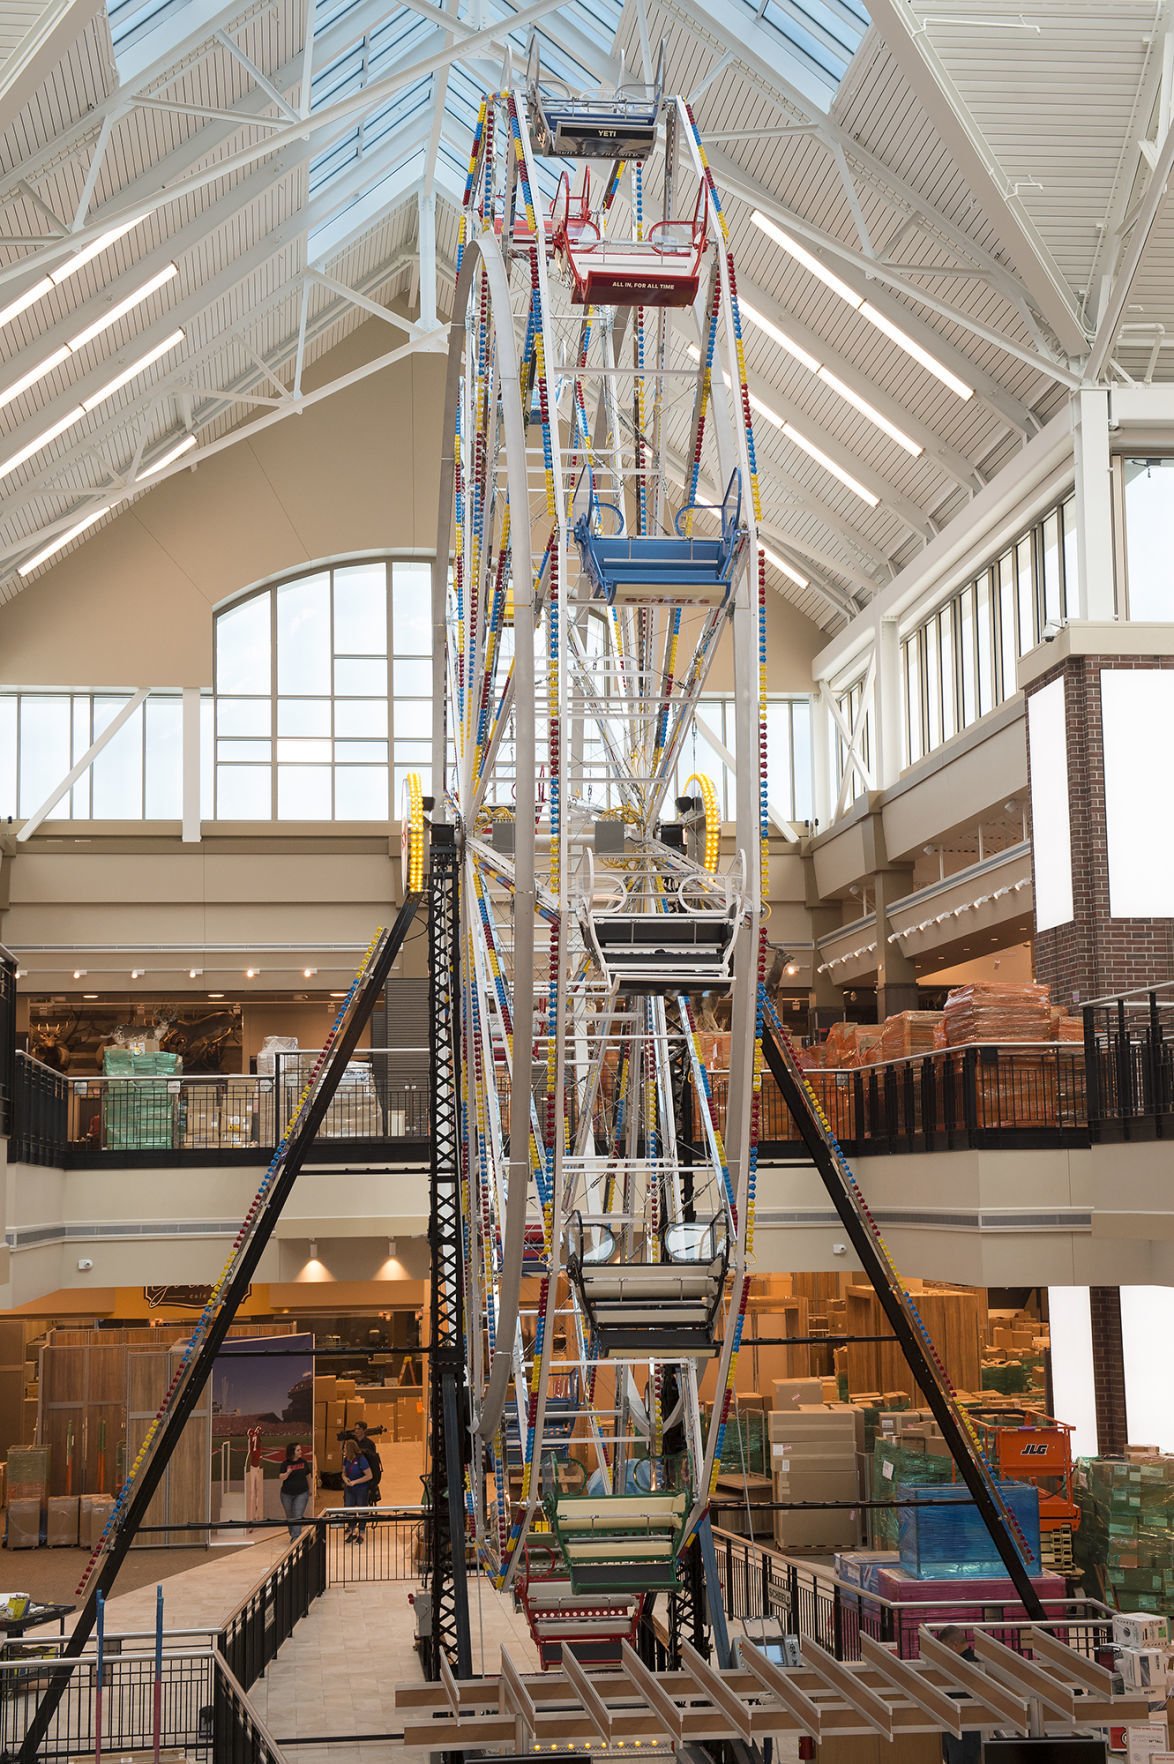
[[664, 934], [662, 1308], [616, 122]]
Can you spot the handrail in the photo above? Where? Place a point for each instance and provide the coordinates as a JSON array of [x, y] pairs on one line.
[[292, 1544], [1111, 998], [220, 1664], [32, 1060]]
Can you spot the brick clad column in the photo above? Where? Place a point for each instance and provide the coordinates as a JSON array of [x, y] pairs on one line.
[[1094, 954], [1108, 1370]]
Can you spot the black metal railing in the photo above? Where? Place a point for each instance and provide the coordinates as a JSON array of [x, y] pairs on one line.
[[238, 1117], [394, 1545], [7, 1036], [953, 1099], [40, 1114], [1129, 1061], [252, 1635], [760, 1582], [126, 1715], [237, 1733]]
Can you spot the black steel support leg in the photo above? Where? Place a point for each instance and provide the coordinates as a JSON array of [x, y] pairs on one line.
[[971, 1469], [446, 1366], [201, 1370]]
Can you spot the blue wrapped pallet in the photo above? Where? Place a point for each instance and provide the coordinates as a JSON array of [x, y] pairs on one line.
[[951, 1542]]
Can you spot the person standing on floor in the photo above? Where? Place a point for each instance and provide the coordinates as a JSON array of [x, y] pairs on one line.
[[369, 1450], [294, 1477], [356, 1482]]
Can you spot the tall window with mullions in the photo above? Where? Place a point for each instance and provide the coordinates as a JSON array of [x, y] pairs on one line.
[[323, 694]]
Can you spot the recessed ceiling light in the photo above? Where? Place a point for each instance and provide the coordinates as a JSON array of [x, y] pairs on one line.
[[215, 995], [89, 995], [338, 995]]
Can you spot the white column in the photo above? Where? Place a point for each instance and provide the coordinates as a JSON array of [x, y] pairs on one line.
[[190, 751], [821, 752], [887, 704], [1094, 506]]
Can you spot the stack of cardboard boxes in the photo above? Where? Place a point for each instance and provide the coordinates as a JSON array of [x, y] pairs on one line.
[[815, 1450]]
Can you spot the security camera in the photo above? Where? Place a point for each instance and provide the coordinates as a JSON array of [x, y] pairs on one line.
[[1051, 631], [84, 1264], [839, 1249]]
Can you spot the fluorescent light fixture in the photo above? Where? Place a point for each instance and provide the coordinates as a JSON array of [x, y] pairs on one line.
[[42, 440], [776, 335], [34, 374], [805, 257], [25, 300], [829, 464], [168, 458], [54, 279], [120, 310], [864, 307], [800, 440], [93, 249], [904, 341], [129, 373], [108, 318], [80, 410], [783, 567], [871, 412], [770, 329], [61, 541]]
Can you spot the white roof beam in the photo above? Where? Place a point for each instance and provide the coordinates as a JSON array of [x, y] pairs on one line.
[[863, 276], [871, 271], [912, 48], [292, 407], [330, 120], [723, 23], [121, 483], [1117, 304]]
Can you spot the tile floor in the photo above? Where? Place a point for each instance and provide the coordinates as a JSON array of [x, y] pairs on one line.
[[337, 1673]]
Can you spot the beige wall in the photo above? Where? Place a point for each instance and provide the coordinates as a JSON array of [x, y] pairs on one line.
[[358, 472]]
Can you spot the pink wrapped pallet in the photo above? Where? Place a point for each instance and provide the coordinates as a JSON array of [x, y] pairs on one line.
[[960, 1601]]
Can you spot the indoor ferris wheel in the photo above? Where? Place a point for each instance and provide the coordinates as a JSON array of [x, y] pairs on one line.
[[599, 506]]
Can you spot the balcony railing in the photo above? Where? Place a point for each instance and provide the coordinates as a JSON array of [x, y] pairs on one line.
[[1119, 1084], [1129, 1050], [7, 1036], [236, 1118]]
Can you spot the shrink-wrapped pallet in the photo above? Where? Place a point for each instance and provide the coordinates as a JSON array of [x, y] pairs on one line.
[[908, 1033], [988, 1012]]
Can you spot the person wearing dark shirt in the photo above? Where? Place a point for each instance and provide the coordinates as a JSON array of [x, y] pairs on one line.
[[968, 1748], [361, 1436], [294, 1476], [356, 1483]]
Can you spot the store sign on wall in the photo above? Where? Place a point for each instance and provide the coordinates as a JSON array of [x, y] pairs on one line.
[[181, 1298]]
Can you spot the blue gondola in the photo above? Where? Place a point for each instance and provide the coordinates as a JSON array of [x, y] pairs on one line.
[[624, 569], [619, 122]]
